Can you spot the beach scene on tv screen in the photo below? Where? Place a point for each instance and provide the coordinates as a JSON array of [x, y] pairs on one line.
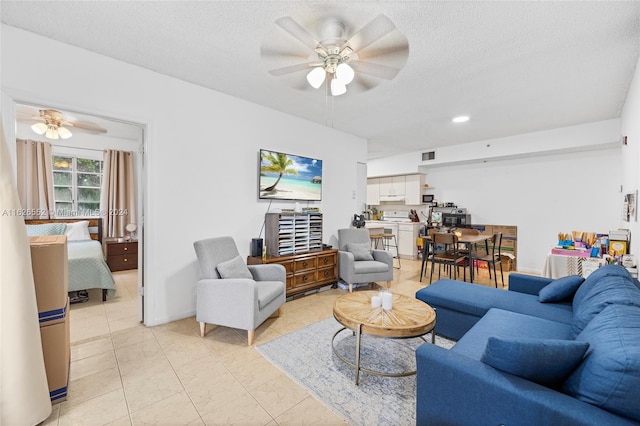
[[290, 177]]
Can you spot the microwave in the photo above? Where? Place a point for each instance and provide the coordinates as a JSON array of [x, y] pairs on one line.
[[427, 198], [456, 220]]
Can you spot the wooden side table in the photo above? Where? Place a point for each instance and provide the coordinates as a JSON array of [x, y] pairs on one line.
[[122, 256]]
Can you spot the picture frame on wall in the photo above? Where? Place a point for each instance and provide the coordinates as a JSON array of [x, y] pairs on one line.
[[630, 207]]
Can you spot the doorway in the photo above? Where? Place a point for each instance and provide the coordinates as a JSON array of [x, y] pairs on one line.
[[91, 135]]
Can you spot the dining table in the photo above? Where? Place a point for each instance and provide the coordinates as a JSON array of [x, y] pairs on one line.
[[469, 241]]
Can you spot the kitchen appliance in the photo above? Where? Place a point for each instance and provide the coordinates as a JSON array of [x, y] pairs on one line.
[[457, 220], [396, 216]]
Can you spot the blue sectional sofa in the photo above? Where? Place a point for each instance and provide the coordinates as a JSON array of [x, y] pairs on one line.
[[544, 352]]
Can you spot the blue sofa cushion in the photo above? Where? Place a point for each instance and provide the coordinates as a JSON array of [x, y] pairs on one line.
[[595, 277], [477, 300], [608, 290], [609, 376], [508, 325], [544, 361], [560, 289]]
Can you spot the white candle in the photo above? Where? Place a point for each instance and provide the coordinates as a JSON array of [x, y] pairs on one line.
[[376, 302], [387, 301]]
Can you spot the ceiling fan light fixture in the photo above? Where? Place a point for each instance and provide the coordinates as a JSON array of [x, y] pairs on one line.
[[39, 128], [316, 77], [344, 73], [337, 87], [52, 132], [64, 133]]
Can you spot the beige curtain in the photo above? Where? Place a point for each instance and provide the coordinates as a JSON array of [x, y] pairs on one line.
[[24, 392], [118, 199], [35, 178]]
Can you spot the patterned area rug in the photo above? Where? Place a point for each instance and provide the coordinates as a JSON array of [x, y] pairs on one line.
[[306, 356]]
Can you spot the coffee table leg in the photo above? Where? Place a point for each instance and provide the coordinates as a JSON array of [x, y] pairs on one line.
[[358, 335]]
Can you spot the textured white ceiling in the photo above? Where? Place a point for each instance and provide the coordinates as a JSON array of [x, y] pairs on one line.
[[514, 67]]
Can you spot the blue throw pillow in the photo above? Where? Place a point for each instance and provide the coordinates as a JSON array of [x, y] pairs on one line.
[[560, 289], [609, 376], [544, 361]]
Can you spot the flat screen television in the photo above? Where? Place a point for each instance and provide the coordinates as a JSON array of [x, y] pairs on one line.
[[289, 177]]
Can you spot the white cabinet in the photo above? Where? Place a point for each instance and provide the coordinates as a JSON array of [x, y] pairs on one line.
[[373, 192], [392, 186], [407, 235], [413, 189]]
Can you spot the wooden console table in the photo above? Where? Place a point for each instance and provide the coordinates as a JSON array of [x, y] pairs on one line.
[[305, 271]]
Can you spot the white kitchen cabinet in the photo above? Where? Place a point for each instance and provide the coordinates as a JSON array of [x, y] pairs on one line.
[[392, 186], [413, 189], [373, 191], [407, 235]]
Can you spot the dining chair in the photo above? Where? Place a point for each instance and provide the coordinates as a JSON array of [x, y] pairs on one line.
[[427, 250], [446, 253], [493, 258]]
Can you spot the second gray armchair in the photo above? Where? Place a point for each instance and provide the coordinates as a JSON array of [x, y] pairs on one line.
[[232, 294], [358, 263]]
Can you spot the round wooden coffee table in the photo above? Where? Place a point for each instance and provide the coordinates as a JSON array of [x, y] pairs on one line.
[[409, 317]]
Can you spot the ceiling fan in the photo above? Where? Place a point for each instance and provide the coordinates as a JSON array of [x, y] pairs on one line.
[[53, 125], [339, 55]]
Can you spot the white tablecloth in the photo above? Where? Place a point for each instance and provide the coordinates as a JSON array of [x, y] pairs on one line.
[[558, 266]]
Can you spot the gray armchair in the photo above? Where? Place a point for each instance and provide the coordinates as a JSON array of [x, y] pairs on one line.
[[232, 294], [358, 263]]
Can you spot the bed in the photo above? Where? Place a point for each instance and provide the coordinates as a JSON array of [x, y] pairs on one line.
[[87, 266]]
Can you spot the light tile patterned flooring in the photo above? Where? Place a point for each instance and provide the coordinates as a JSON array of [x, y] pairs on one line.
[[123, 373]]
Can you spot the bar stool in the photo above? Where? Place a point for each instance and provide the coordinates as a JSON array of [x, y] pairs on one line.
[[389, 240], [376, 240]]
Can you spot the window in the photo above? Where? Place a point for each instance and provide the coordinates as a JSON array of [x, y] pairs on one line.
[[77, 183]]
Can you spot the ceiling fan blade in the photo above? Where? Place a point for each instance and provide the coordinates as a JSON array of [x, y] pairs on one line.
[[375, 70], [379, 27], [396, 51], [290, 69], [288, 24], [89, 127]]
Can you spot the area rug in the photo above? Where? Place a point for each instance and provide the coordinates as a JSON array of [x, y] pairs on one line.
[[306, 356]]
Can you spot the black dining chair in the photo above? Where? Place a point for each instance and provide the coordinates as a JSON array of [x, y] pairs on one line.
[[493, 258], [427, 250], [446, 253]]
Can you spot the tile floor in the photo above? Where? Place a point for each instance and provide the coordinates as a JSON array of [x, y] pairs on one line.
[[123, 373]]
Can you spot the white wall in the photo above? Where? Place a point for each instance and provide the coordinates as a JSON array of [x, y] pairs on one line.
[[201, 154], [540, 182], [630, 125]]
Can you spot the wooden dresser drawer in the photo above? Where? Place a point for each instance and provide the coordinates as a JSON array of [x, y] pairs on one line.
[[304, 264], [122, 256], [122, 248], [304, 278], [327, 274], [327, 260]]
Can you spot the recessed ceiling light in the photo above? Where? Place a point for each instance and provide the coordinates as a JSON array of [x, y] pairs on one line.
[[461, 119]]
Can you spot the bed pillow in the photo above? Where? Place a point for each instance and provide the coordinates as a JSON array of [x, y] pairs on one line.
[[46, 229], [544, 361], [78, 231], [360, 251], [560, 289], [234, 268]]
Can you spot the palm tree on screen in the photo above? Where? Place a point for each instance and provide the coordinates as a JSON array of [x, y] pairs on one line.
[[278, 163]]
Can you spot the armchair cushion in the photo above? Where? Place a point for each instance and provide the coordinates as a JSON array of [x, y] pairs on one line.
[[360, 251], [544, 361], [234, 268], [560, 289]]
